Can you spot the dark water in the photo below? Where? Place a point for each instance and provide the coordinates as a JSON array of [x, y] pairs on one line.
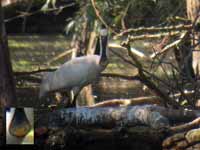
[[110, 88], [103, 89]]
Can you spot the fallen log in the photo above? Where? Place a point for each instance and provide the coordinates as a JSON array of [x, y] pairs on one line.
[[118, 126], [177, 115], [108, 117], [125, 138]]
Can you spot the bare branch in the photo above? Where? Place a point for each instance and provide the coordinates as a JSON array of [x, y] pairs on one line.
[[179, 28], [63, 54], [184, 127], [128, 102], [26, 14], [152, 36], [173, 44]]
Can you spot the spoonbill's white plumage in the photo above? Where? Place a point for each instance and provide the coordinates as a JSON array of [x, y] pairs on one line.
[[77, 72]]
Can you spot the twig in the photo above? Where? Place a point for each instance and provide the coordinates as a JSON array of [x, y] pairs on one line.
[[134, 65], [66, 52], [166, 48], [152, 36], [124, 15], [34, 71], [25, 18], [144, 79], [128, 102], [25, 14]]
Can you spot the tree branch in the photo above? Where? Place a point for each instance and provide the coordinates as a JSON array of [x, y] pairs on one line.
[[26, 14], [155, 29]]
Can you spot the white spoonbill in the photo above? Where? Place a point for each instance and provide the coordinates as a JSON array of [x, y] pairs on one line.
[[77, 72]]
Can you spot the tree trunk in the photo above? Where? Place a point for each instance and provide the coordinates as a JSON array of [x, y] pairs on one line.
[[193, 7], [183, 55], [7, 87]]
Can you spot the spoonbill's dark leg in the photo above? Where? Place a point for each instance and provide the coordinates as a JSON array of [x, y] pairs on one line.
[[73, 96], [74, 100]]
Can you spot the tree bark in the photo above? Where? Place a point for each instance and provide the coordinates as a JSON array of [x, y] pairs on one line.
[[184, 57], [98, 139], [193, 7], [109, 117], [7, 87]]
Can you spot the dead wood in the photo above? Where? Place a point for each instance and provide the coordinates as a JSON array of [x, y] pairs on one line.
[[183, 141], [187, 126], [187, 138], [155, 29], [111, 138], [128, 102], [109, 117]]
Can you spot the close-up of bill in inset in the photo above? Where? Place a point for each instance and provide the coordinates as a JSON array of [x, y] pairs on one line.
[[19, 126]]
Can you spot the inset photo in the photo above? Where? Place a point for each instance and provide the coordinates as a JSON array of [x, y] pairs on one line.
[[19, 126]]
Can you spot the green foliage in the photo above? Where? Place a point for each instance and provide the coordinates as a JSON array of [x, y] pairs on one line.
[[170, 8], [133, 13]]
